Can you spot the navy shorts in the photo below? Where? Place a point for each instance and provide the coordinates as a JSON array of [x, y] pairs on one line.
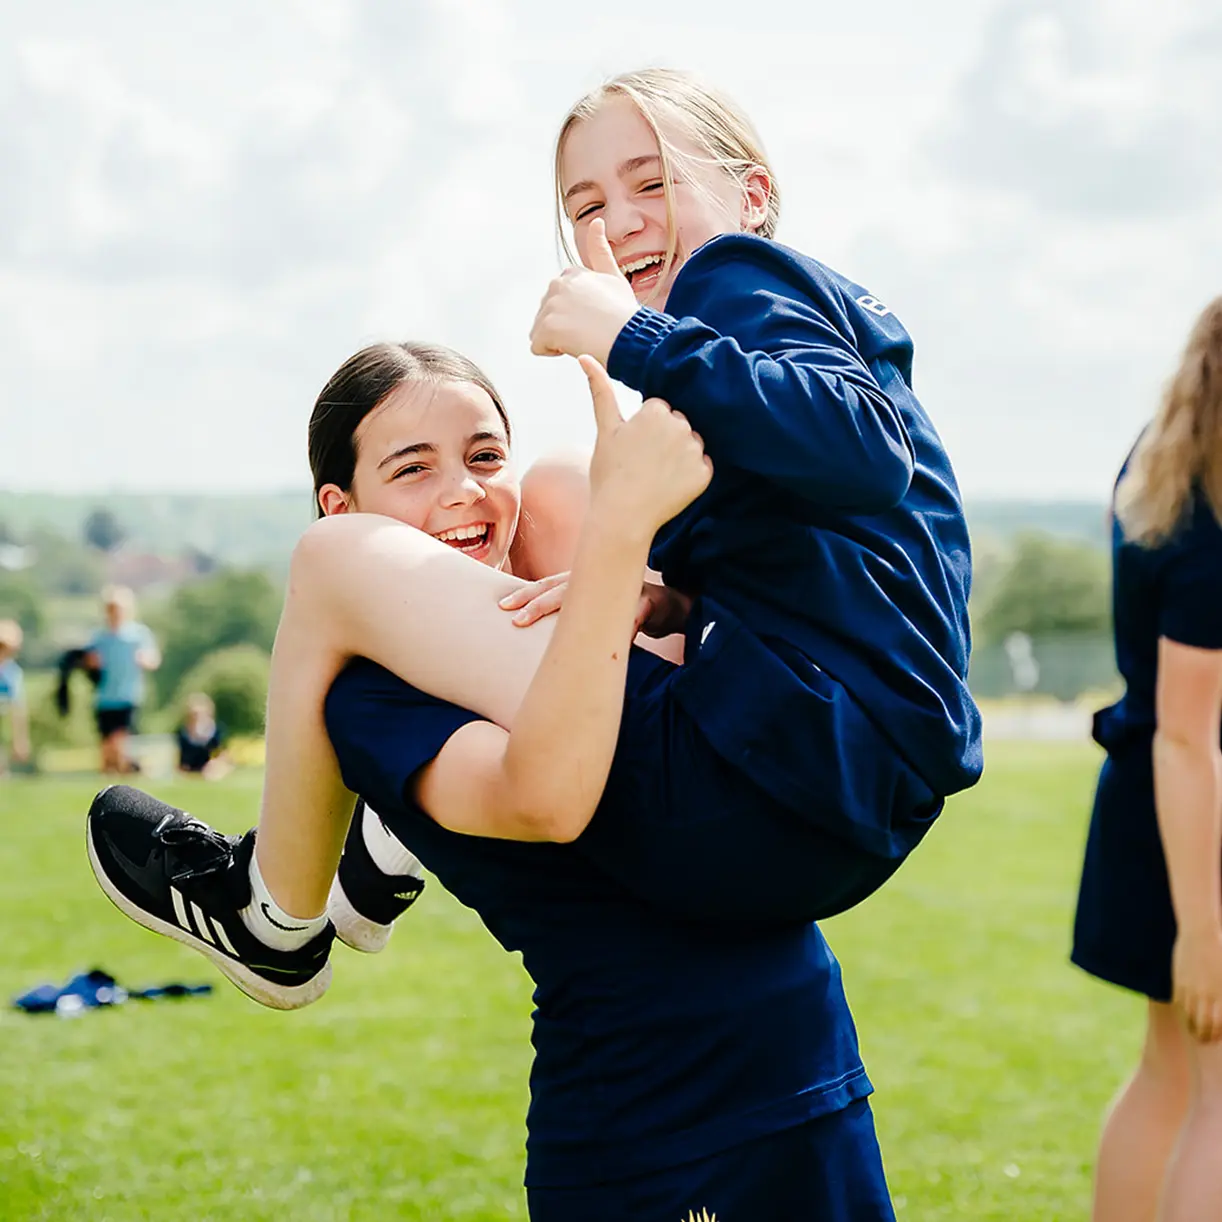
[[827, 1170], [111, 721], [1124, 929], [746, 789]]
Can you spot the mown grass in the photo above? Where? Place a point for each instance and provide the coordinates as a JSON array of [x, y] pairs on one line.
[[402, 1094]]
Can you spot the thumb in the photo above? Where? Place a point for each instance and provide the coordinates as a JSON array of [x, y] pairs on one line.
[[606, 407], [599, 251]]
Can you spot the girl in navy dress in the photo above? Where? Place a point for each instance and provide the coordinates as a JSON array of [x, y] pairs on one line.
[[680, 1067], [1150, 906]]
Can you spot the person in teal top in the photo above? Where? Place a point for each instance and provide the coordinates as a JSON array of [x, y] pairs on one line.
[[122, 651], [12, 693]]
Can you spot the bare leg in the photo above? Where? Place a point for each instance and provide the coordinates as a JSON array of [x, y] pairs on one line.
[[364, 585], [1144, 1124], [1193, 1189], [555, 497]]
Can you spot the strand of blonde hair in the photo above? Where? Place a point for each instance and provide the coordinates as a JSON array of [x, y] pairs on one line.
[[1180, 453]]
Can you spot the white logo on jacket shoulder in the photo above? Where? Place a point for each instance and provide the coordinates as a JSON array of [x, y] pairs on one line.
[[868, 302]]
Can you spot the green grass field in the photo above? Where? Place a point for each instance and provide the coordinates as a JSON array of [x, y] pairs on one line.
[[402, 1093]]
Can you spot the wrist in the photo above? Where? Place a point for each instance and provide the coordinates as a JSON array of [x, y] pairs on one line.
[[615, 522]]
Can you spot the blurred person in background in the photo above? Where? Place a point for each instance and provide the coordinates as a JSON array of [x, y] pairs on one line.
[[201, 740], [1150, 905], [12, 695], [121, 651]]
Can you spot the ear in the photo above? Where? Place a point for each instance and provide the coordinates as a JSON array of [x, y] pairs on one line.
[[757, 191], [332, 499]]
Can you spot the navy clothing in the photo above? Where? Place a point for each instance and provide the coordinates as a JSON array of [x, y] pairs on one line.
[[833, 521], [1125, 928], [827, 1170], [658, 1042], [195, 754], [691, 824], [114, 718]]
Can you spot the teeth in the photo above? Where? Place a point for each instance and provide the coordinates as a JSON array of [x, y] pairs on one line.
[[463, 532], [639, 264]]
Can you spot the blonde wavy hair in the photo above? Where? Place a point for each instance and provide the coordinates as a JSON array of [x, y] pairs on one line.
[[1181, 451], [679, 102]]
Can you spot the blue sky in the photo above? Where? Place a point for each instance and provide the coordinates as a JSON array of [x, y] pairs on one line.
[[206, 208]]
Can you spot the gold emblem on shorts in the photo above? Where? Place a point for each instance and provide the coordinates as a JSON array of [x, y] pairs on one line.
[[702, 1216]]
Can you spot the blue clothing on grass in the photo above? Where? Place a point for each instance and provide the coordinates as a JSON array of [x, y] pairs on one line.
[[122, 682], [1124, 928], [658, 1042], [12, 683]]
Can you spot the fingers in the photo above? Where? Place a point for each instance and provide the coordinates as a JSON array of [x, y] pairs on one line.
[[598, 252], [531, 589], [545, 604], [607, 415]]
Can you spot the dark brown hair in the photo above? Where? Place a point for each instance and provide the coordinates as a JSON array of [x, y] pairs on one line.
[[361, 383]]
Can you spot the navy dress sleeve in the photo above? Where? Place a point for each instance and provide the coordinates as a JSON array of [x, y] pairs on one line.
[[1190, 609], [771, 379]]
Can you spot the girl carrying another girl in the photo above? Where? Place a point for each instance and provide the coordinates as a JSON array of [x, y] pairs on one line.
[[780, 774]]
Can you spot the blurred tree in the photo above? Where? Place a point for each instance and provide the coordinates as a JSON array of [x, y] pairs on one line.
[[234, 607], [63, 566], [20, 599], [103, 531], [1051, 586], [236, 679]]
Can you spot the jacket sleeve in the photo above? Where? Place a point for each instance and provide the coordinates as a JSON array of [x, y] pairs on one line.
[[772, 386]]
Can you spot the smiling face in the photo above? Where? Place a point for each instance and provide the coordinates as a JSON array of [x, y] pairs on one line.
[[435, 455], [610, 166]]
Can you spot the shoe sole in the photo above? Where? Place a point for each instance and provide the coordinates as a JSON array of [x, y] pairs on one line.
[[265, 992], [353, 929]]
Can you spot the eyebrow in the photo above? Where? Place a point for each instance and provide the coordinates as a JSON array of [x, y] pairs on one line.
[[633, 163], [427, 447]]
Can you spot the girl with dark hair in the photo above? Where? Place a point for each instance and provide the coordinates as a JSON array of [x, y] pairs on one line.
[[1150, 905], [680, 1066]]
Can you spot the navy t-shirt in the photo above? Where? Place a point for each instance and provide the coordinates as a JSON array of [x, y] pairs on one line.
[[833, 520], [656, 1042], [1174, 590]]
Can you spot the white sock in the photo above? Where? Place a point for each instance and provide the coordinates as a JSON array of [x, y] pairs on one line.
[[270, 923], [387, 851]]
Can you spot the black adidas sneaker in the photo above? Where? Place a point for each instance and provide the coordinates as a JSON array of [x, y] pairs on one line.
[[365, 900], [177, 876]]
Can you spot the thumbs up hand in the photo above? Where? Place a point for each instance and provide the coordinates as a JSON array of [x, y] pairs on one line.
[[645, 469], [585, 308]]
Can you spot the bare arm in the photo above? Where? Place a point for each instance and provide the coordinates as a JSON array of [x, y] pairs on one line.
[[543, 779], [1188, 797]]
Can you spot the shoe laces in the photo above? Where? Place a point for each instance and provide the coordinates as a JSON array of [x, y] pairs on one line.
[[206, 850]]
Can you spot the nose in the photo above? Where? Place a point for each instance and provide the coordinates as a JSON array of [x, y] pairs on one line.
[[463, 489], [623, 220]]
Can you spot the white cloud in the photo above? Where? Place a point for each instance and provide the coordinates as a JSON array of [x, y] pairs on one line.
[[206, 210]]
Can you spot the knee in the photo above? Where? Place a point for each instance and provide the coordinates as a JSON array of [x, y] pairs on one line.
[[555, 496], [558, 483], [326, 545]]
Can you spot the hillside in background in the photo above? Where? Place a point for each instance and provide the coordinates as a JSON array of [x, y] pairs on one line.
[[249, 531], [260, 530], [1086, 521]]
